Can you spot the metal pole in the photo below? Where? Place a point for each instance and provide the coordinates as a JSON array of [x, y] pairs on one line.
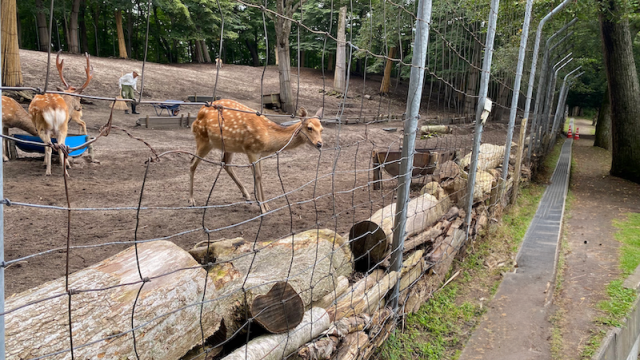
[[536, 49], [516, 87], [543, 124], [409, 142], [542, 85], [482, 97], [2, 335], [561, 100]]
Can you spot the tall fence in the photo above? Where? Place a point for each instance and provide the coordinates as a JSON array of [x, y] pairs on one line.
[[339, 238]]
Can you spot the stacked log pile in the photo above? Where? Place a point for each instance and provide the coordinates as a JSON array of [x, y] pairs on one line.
[[301, 290]]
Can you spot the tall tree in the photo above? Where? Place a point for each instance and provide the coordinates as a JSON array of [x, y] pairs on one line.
[[43, 29], [11, 70], [283, 30], [603, 126], [82, 24], [122, 48], [74, 46], [624, 90], [386, 79], [341, 53]]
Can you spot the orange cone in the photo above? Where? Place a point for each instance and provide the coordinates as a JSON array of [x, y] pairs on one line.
[[569, 136], [577, 137]]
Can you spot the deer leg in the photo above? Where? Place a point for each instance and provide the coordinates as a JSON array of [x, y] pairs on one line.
[[5, 144], [226, 157], [63, 161], [202, 150], [257, 177], [82, 124], [46, 138]]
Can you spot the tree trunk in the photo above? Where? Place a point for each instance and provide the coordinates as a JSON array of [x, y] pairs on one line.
[[386, 80], [11, 70], [624, 92], [84, 41], [284, 65], [74, 47], [603, 126], [129, 32], [341, 53], [254, 52], [329, 60], [19, 30], [122, 48], [199, 57], [205, 51], [41, 20], [472, 82], [96, 16]]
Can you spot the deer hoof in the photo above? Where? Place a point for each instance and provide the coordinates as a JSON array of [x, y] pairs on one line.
[[192, 202]]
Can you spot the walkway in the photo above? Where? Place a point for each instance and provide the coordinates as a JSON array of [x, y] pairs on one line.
[[516, 326]]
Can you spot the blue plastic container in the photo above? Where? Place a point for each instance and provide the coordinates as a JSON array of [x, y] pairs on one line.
[[70, 141]]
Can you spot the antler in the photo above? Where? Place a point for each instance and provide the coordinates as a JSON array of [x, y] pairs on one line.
[[60, 66], [89, 71]]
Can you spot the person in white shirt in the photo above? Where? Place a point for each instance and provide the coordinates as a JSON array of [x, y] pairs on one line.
[[128, 85]]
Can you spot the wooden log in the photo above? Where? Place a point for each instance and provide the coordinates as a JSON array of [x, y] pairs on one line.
[[37, 330], [489, 157], [279, 346], [430, 235], [340, 288], [320, 349], [355, 292], [345, 326], [279, 310], [244, 278], [378, 337], [429, 129], [371, 240], [448, 170], [368, 301], [352, 346]]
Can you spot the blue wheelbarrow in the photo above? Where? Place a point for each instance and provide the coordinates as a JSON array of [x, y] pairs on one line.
[[172, 109], [70, 141]]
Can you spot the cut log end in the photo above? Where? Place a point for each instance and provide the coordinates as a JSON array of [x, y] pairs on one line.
[[280, 310], [368, 244]]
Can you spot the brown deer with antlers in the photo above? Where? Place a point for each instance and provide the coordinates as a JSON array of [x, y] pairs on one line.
[[222, 127], [50, 113]]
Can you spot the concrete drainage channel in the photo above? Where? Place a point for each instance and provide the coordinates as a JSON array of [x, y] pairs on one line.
[[624, 343]]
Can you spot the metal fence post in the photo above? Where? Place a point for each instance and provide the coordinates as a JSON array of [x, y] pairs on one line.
[[543, 81], [516, 87], [409, 142], [482, 97], [561, 100], [536, 49], [2, 335], [548, 101]]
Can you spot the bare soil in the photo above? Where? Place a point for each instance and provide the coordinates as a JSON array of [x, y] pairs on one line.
[[591, 258], [309, 188]]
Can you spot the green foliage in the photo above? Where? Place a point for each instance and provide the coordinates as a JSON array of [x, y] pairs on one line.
[[619, 304]]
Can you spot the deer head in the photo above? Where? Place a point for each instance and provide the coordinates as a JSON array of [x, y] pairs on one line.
[[311, 127], [73, 102]]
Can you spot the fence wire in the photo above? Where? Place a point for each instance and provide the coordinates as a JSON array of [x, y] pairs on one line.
[[301, 268]]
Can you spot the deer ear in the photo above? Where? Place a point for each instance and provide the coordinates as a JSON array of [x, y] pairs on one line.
[[319, 113], [302, 112]]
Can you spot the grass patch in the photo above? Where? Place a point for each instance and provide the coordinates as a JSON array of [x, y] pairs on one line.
[[629, 236], [618, 306]]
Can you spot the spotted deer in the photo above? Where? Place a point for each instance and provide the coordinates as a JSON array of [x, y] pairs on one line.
[[219, 63], [50, 113], [246, 132], [14, 116]]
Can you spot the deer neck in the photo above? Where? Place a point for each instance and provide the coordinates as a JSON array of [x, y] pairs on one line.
[[282, 137], [70, 101]]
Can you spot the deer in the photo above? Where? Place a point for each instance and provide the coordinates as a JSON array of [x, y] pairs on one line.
[[50, 113], [246, 132], [14, 116], [219, 63]]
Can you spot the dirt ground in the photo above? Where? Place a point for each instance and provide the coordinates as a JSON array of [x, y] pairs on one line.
[[591, 260], [309, 188]]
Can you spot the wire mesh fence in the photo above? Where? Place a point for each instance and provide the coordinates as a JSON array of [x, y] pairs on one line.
[[301, 263]]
